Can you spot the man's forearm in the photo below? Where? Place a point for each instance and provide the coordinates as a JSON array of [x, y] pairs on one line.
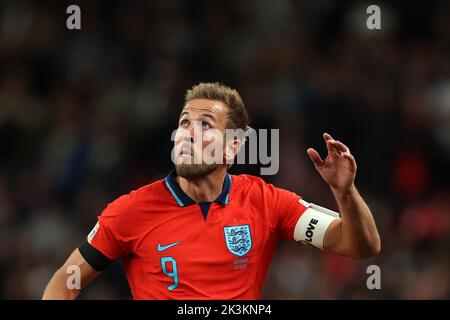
[[359, 230], [57, 288]]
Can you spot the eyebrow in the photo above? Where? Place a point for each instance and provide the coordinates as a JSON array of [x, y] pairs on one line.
[[209, 116], [204, 114]]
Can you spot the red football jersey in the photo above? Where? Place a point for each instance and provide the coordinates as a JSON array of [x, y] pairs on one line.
[[174, 248]]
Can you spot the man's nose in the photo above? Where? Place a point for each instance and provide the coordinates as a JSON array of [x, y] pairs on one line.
[[188, 136]]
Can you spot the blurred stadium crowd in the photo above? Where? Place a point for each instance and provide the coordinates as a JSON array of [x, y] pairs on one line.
[[86, 116]]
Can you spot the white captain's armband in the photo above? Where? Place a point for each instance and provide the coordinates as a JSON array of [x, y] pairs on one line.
[[313, 223]]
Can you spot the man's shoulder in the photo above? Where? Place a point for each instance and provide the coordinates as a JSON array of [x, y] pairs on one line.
[[257, 186], [252, 186], [250, 180], [149, 194], [149, 191]]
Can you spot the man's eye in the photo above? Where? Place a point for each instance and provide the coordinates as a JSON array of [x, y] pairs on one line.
[[184, 123], [205, 125]]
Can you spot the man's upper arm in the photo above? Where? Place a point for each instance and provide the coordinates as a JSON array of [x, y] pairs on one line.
[[106, 242], [289, 207], [306, 222], [333, 240], [87, 273]]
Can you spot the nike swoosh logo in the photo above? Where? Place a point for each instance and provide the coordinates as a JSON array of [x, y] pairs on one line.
[[163, 248]]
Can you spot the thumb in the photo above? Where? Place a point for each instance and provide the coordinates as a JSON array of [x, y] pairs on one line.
[[315, 157]]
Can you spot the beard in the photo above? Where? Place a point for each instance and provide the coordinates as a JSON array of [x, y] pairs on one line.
[[194, 171]]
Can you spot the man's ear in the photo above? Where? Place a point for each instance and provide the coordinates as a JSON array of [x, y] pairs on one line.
[[232, 148]]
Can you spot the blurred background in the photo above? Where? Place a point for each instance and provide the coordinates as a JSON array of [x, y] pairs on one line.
[[86, 115]]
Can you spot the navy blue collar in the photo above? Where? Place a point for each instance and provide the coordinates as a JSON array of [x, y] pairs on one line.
[[184, 200]]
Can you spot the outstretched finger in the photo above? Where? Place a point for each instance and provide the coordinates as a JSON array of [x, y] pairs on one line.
[[339, 147], [328, 138]]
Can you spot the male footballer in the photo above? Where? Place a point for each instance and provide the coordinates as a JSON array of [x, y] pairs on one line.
[[202, 233]]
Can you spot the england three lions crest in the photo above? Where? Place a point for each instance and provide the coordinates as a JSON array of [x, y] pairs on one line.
[[238, 239]]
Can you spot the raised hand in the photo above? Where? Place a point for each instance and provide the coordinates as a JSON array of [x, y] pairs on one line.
[[339, 167]]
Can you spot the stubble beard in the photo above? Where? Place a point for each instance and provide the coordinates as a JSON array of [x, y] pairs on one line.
[[195, 171]]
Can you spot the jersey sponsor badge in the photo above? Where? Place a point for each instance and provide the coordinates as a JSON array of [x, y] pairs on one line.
[[238, 239], [303, 202], [93, 232]]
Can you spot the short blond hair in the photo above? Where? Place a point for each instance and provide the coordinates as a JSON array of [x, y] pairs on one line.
[[238, 117]]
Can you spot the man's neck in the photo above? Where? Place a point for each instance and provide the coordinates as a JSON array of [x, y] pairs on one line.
[[204, 189]]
